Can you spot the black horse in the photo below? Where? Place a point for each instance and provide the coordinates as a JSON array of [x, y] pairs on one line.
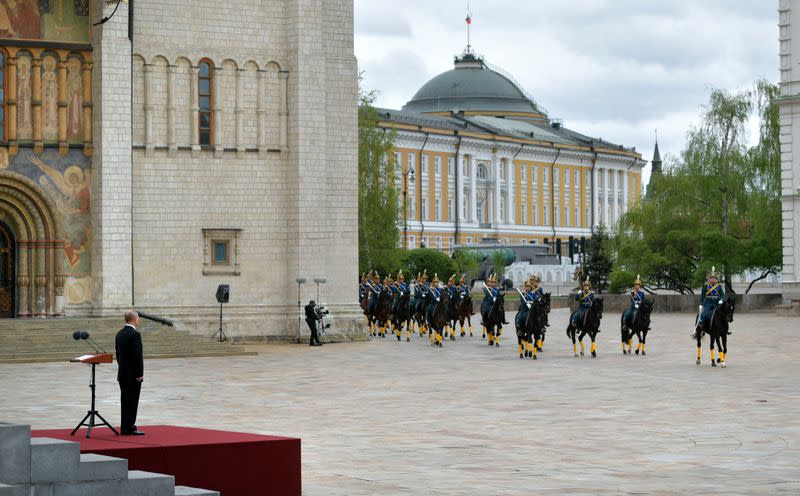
[[639, 328], [436, 315], [590, 326], [382, 313], [545, 317], [401, 317], [718, 327], [464, 312], [494, 318], [531, 332]]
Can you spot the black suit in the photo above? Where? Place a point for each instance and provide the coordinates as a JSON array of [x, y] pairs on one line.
[[131, 366], [311, 320]]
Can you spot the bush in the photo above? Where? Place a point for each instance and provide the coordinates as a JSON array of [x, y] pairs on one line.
[[434, 261], [620, 281]]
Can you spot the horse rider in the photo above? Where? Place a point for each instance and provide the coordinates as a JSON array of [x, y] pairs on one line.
[[377, 289], [526, 301], [434, 297], [452, 290], [711, 297], [463, 290], [490, 293], [637, 297], [400, 288], [586, 298], [363, 289]]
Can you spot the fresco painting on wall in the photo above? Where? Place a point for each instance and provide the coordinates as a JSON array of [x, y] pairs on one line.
[[24, 115], [49, 99], [52, 20], [74, 99]]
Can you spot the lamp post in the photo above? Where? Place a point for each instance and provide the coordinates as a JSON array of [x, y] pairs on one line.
[[406, 180], [319, 280], [300, 281]]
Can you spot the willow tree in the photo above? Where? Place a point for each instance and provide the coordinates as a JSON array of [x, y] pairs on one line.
[[717, 204], [378, 208]]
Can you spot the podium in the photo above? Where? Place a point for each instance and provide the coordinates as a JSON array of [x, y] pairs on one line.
[[92, 414]]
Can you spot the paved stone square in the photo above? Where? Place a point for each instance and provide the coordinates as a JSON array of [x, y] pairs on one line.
[[392, 418]]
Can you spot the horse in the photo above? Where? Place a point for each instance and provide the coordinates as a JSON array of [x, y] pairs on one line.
[[591, 326], [402, 317], [530, 333], [494, 318], [382, 312], [639, 327], [418, 314], [464, 312], [452, 316], [437, 316], [545, 321], [718, 329]]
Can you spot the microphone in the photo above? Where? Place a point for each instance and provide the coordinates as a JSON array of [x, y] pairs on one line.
[[84, 336]]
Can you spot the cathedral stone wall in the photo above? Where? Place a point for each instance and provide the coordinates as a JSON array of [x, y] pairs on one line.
[[278, 181]]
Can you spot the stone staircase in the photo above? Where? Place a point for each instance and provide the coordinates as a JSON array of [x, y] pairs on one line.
[[55, 467], [50, 340]]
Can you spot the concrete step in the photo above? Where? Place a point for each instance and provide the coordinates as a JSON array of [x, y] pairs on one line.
[[191, 491], [54, 460], [11, 490], [15, 454], [94, 467], [142, 483]]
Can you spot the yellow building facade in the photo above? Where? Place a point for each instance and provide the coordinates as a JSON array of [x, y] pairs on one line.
[[477, 159]]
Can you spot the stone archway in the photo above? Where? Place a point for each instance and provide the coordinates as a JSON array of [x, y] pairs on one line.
[[33, 219]]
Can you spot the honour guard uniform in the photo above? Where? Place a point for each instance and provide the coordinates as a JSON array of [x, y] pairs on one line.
[[585, 299], [452, 291], [490, 293], [434, 297], [637, 297], [711, 297]]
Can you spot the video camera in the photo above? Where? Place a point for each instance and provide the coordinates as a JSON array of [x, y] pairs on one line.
[[321, 313]]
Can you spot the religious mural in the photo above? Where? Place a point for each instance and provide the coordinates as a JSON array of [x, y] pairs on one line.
[[67, 180], [49, 99], [24, 89], [74, 100], [51, 20]]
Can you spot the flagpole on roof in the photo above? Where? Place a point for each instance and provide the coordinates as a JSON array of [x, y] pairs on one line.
[[469, 23]]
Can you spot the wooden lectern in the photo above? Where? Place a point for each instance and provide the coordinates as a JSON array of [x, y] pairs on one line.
[[93, 360]]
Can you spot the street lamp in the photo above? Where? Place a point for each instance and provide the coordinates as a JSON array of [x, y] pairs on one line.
[[319, 280], [408, 176], [300, 281]]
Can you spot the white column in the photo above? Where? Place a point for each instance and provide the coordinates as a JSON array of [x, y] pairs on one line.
[[595, 199], [283, 110], [172, 140], [148, 108], [473, 216], [512, 205], [496, 213], [625, 191], [239, 111], [261, 112], [460, 187], [194, 121], [615, 198], [219, 112], [606, 191]]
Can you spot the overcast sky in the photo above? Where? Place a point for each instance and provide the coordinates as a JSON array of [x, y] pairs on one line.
[[616, 69]]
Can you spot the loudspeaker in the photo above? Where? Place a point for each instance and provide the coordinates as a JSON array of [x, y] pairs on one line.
[[223, 293]]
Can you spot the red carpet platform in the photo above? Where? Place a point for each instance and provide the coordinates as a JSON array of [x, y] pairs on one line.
[[234, 463]]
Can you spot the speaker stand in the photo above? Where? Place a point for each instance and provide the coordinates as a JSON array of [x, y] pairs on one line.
[[220, 332]]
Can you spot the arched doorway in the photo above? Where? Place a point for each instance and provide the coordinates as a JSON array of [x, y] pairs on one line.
[[35, 263], [7, 270]]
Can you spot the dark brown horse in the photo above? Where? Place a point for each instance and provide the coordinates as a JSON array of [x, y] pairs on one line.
[[590, 326]]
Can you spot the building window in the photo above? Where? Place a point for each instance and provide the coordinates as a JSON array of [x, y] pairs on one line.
[[205, 90], [556, 176], [482, 172], [424, 165], [449, 209], [566, 216], [438, 207], [577, 217], [452, 243], [438, 242], [469, 239], [545, 178], [221, 251], [535, 215], [424, 242], [502, 171], [525, 212], [587, 183], [411, 161], [437, 163], [412, 241], [502, 209], [566, 179], [522, 173], [546, 219], [451, 170], [535, 174], [577, 179], [424, 208], [2, 96]]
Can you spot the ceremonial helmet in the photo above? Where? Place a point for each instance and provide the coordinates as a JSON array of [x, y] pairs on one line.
[[463, 279], [425, 275], [388, 279], [400, 276], [536, 278], [491, 278], [527, 284], [713, 272], [638, 280], [587, 282], [452, 279], [363, 277], [377, 276], [435, 278]]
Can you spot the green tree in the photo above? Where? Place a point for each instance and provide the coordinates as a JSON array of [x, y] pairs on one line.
[[499, 259], [465, 261], [598, 262], [378, 209], [718, 204]]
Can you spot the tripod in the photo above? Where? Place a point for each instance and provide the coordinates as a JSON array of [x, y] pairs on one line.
[[91, 414], [222, 336]]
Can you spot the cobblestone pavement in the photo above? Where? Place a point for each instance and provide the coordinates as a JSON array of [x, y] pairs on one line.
[[391, 418]]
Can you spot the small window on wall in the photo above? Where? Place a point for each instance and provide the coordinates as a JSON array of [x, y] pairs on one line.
[[221, 251], [205, 93]]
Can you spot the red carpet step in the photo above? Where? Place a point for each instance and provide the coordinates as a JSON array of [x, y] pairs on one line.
[[234, 463]]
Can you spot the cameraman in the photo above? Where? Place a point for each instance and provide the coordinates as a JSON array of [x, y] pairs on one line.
[[311, 320]]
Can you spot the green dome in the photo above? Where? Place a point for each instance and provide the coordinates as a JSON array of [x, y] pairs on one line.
[[471, 86]]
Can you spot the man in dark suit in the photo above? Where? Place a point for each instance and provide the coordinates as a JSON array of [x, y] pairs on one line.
[[311, 320], [131, 372]]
